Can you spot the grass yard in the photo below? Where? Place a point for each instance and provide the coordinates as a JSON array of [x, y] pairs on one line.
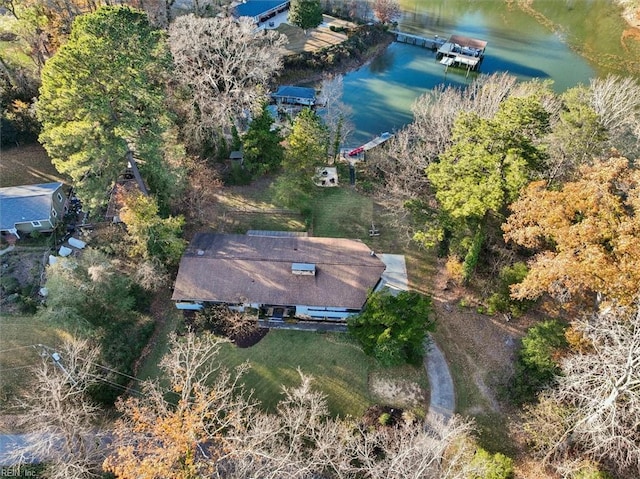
[[28, 164], [316, 38], [340, 368], [17, 335], [342, 212], [351, 380]]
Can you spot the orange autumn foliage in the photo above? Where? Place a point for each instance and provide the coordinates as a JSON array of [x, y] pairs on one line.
[[586, 233]]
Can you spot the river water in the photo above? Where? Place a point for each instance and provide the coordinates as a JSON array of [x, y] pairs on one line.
[[567, 41]]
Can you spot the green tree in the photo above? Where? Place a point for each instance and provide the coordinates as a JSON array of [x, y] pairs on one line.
[[306, 144], [151, 235], [102, 96], [393, 328], [305, 14], [539, 359], [488, 163], [578, 136], [501, 301], [306, 150], [90, 298], [263, 152]]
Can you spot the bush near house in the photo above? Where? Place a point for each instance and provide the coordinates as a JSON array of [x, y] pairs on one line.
[[393, 328]]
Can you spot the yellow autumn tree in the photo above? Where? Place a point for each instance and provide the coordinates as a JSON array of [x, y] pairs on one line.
[[585, 233]]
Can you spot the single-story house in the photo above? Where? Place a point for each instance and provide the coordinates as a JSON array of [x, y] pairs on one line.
[[31, 208], [260, 10], [294, 95], [279, 277]]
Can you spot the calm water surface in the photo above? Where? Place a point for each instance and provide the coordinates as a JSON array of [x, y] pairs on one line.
[[567, 41]]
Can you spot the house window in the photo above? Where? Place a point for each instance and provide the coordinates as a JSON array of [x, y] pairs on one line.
[[36, 224], [59, 197], [54, 213]]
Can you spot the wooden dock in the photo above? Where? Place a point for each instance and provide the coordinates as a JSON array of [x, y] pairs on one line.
[[457, 51], [432, 43]]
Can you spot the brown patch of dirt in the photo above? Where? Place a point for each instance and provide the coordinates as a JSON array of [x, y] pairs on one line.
[[481, 351], [399, 392], [26, 266]]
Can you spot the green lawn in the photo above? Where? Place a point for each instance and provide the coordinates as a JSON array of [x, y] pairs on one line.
[[18, 333], [342, 212], [339, 367]]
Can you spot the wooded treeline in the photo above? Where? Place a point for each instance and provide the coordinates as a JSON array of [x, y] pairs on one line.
[[534, 197]]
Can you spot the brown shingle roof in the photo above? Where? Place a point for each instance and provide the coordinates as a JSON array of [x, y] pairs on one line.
[[257, 269]]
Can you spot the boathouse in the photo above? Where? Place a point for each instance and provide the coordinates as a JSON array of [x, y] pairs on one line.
[[294, 95], [460, 51]]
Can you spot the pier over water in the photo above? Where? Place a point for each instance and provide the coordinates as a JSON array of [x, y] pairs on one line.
[[457, 51]]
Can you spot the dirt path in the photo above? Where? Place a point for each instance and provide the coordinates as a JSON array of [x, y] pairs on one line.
[[481, 347]]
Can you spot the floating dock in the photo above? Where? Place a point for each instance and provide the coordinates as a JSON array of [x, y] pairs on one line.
[[371, 144]]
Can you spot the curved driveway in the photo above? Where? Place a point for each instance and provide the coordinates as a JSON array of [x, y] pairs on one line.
[[442, 397]]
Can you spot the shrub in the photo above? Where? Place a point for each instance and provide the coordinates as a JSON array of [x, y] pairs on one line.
[[490, 466], [9, 285], [384, 419], [501, 300], [537, 361], [393, 329]]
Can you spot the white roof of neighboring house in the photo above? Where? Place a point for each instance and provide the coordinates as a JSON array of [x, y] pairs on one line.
[[21, 204]]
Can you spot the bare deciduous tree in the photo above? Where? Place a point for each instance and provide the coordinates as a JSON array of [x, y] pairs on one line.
[[386, 10], [616, 100], [595, 406], [183, 434], [336, 115], [63, 424], [224, 64], [207, 428]]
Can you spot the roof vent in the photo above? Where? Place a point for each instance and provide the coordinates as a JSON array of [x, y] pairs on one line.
[[303, 269], [200, 252]]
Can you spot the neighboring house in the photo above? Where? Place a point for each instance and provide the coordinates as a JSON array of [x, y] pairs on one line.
[[260, 10], [28, 208], [280, 277], [294, 95]]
